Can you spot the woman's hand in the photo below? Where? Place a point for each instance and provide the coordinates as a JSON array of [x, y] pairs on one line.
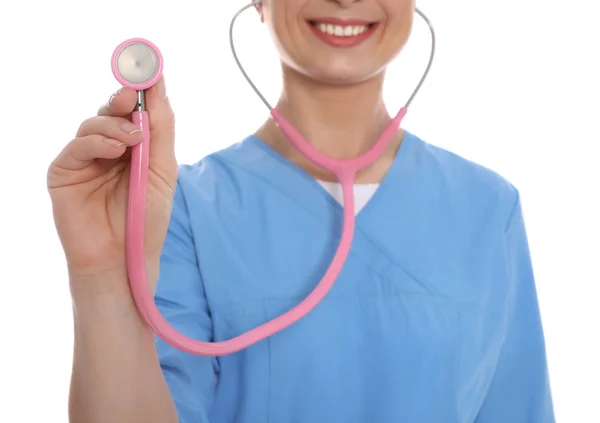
[[89, 181]]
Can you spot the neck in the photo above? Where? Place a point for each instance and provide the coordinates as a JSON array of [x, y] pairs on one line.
[[338, 120]]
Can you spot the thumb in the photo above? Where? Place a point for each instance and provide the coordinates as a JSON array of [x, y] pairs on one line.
[[162, 121], [162, 132]]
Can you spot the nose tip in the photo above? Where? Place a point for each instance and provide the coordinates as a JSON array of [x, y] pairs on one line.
[[345, 3]]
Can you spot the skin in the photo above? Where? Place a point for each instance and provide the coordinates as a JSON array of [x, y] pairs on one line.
[[333, 96]]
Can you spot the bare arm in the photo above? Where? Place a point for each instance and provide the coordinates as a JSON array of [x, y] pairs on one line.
[[117, 376], [116, 372]]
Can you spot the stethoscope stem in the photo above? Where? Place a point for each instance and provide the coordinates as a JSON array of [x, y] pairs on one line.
[[141, 103]]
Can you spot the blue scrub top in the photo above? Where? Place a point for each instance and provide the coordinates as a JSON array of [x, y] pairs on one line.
[[434, 318]]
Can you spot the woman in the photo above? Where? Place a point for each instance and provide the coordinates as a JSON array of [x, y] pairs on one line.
[[433, 319]]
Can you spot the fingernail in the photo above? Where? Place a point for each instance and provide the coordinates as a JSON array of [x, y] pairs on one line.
[[113, 143], [112, 97], [130, 128]]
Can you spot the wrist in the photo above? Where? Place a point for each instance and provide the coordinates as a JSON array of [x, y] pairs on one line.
[[108, 281], [106, 295], [88, 287]]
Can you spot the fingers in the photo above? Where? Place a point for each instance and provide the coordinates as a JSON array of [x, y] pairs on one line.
[[108, 135], [100, 137], [121, 104], [111, 127], [162, 120], [80, 152]]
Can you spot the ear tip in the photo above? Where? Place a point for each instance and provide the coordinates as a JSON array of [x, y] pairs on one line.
[[257, 5]]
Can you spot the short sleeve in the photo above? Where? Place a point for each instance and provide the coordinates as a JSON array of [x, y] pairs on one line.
[[520, 389], [180, 297]]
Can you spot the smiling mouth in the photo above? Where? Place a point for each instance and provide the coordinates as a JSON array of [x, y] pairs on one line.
[[342, 33], [342, 30]]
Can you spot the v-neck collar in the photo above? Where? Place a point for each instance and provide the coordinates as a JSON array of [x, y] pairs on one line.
[[293, 180], [275, 170]]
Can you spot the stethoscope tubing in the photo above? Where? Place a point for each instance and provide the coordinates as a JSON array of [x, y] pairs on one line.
[[345, 170]]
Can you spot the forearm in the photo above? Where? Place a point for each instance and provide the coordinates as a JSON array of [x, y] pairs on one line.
[[116, 373]]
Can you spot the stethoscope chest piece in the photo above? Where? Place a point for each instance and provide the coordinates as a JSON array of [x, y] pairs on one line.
[[137, 63]]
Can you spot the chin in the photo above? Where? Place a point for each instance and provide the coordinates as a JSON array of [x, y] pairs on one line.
[[340, 73]]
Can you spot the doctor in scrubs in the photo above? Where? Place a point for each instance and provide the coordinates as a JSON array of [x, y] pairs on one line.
[[433, 319]]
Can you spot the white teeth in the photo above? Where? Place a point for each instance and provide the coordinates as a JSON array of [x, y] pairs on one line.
[[342, 31]]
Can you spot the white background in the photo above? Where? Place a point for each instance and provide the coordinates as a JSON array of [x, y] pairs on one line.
[[514, 87]]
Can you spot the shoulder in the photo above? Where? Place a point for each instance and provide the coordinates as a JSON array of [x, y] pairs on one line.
[[219, 169], [465, 183], [220, 180]]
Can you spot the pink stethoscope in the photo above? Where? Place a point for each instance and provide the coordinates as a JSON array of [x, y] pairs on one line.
[[137, 63]]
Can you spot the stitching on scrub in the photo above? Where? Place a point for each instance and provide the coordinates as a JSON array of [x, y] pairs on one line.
[[457, 342], [266, 317], [450, 302], [513, 210]]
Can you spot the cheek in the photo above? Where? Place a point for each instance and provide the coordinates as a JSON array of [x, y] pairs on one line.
[[295, 46], [397, 33], [283, 43]]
